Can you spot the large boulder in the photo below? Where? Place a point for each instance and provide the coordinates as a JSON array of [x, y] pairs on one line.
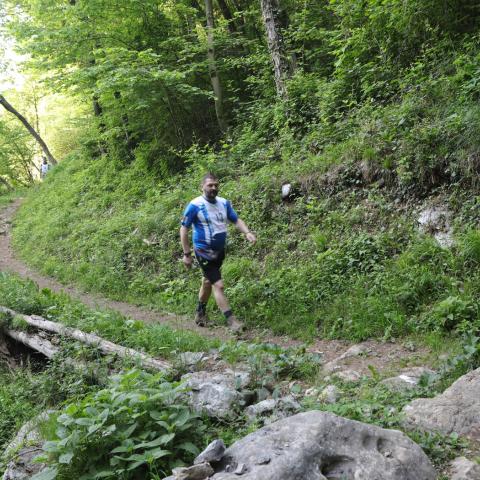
[[322, 446], [455, 410]]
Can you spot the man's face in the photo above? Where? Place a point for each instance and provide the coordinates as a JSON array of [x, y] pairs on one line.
[[210, 188]]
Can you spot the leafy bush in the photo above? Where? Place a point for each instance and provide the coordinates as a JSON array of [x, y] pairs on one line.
[[136, 426]]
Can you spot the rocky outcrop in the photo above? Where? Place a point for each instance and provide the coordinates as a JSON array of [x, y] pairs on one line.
[[455, 410], [319, 446]]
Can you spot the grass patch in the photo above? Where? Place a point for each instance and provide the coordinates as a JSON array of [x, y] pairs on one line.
[[24, 296]]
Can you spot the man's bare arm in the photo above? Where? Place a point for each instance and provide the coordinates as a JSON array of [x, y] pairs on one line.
[[242, 227], [187, 251]]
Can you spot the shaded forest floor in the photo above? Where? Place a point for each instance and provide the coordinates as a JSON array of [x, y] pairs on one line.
[[384, 357]]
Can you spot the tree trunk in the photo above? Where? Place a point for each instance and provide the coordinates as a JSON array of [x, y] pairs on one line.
[[271, 20], [7, 185], [212, 67], [32, 131], [35, 342], [227, 14]]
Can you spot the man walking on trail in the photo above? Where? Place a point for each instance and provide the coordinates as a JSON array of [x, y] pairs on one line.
[[44, 168], [209, 215]]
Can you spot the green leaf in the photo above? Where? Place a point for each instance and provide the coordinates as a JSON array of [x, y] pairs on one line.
[[128, 432], [65, 419], [84, 421], [189, 447], [49, 473], [157, 453], [156, 415], [122, 449], [182, 418], [105, 474], [133, 466], [50, 446], [66, 457], [162, 440]]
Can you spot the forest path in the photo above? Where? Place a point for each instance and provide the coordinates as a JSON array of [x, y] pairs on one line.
[[384, 355]]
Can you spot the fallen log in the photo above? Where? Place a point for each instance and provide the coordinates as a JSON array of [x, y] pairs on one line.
[[35, 342], [105, 346]]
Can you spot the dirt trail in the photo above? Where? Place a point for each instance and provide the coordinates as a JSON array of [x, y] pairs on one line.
[[383, 355]]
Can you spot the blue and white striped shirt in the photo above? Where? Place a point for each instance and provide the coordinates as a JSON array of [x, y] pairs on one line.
[[209, 220]]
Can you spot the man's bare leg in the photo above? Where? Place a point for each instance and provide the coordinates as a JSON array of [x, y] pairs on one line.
[[220, 298], [205, 291], [224, 306], [201, 317]]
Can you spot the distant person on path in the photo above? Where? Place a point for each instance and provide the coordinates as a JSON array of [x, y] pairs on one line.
[[44, 168], [209, 215]]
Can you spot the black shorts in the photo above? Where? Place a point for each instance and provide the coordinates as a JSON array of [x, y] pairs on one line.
[[211, 267]]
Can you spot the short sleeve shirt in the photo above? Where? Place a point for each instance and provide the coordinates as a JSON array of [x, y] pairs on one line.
[[209, 220]]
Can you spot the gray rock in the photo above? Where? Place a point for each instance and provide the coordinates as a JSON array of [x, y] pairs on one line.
[[192, 360], [262, 394], [435, 221], [213, 453], [455, 410], [195, 472], [353, 351], [241, 469], [407, 380], [23, 466], [261, 408], [348, 376], [217, 395], [319, 446], [24, 448], [463, 469], [330, 394], [273, 409]]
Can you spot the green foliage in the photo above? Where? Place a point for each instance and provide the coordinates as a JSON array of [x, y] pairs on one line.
[[382, 110], [25, 297], [18, 402], [138, 425], [270, 363], [16, 154]]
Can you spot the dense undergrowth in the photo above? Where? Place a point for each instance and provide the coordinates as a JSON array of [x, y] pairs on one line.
[[135, 423], [344, 263], [389, 124]]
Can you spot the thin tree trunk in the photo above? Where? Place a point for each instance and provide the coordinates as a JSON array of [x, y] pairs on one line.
[[7, 185], [271, 20], [227, 14], [32, 131], [212, 66]]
